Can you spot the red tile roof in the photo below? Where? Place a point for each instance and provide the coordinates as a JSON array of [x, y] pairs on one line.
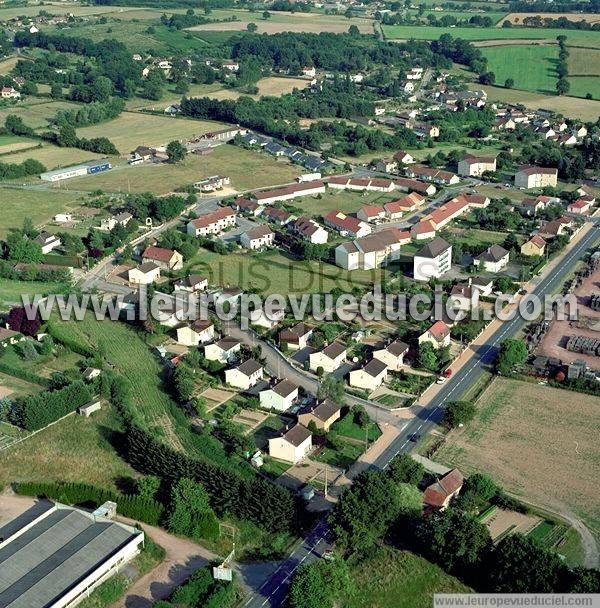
[[158, 253]]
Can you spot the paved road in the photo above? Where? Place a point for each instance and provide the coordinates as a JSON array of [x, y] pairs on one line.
[[274, 590]]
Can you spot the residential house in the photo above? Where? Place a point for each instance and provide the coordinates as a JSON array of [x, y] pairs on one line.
[[280, 396], [212, 223], [224, 351], [422, 131], [404, 157], [386, 165], [9, 93], [191, 284], [311, 231], [554, 228], [429, 174], [369, 377], [371, 213], [145, 274], [439, 494], [48, 242], [423, 230], [281, 217], [166, 259], [461, 296], [295, 337], [392, 355], [258, 237], [287, 193], [323, 415], [63, 218], [260, 318], [329, 358], [536, 245], [414, 185], [199, 332], [438, 335], [230, 65], [484, 285], [374, 251], [247, 207], [493, 259], [566, 139], [433, 260], [536, 177], [579, 206], [309, 72], [245, 375], [212, 183], [292, 446], [346, 224], [476, 166], [226, 295]]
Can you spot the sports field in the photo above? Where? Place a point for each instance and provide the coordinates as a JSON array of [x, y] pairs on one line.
[[532, 67], [575, 37], [538, 442], [247, 169]]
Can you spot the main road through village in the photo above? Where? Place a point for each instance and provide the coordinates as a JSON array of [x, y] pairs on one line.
[[274, 590]]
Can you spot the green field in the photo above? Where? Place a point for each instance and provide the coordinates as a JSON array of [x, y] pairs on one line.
[[247, 169], [495, 16], [36, 111], [584, 62], [11, 290], [531, 67], [39, 205], [582, 85], [272, 271], [574, 37], [398, 579]]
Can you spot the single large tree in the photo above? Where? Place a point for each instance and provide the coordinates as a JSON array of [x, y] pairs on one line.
[[176, 151]]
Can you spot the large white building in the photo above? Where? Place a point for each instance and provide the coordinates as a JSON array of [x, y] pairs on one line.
[[476, 166], [372, 251], [53, 556], [536, 177], [433, 260]]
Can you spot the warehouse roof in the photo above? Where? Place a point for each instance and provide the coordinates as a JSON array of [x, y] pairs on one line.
[[41, 564]]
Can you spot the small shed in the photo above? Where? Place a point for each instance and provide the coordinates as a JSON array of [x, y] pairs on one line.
[[88, 409]]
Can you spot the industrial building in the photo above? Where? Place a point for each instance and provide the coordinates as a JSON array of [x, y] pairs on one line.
[[89, 168], [52, 556]]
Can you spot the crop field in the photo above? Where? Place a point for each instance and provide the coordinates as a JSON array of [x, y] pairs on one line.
[[538, 442], [13, 143], [575, 37], [517, 18], [6, 65], [281, 21], [584, 62], [52, 455], [271, 272], [133, 129], [582, 85], [247, 169], [39, 205], [60, 8], [51, 157], [532, 67], [571, 107], [398, 579], [495, 16]]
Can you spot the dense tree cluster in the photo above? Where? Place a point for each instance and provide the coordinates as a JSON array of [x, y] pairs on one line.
[[28, 167], [90, 114], [145, 205]]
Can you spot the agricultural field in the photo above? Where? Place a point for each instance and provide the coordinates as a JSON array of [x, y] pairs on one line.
[[582, 85], [247, 169], [584, 62], [517, 18], [533, 443], [52, 455], [51, 157], [133, 129], [398, 579], [571, 107], [281, 21], [516, 62], [39, 205], [59, 8], [271, 272], [495, 16], [13, 143], [575, 37], [12, 290], [6, 65]]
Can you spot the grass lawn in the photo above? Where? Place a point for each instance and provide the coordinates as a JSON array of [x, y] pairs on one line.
[[247, 169], [39, 205], [348, 428], [54, 455], [571, 107], [339, 200], [132, 129], [12, 290], [6, 65], [398, 579], [15, 387], [406, 32], [531, 67], [273, 271], [343, 457], [526, 437], [582, 85]]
